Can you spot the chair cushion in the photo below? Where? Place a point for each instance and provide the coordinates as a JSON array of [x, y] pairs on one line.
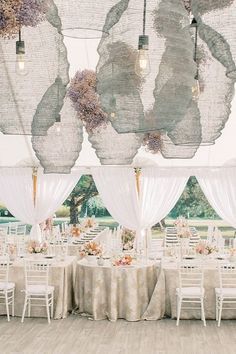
[[39, 289], [226, 292], [6, 286], [190, 292]]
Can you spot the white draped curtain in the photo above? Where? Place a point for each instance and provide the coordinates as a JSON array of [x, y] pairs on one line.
[[219, 187], [16, 192], [116, 187], [159, 191]]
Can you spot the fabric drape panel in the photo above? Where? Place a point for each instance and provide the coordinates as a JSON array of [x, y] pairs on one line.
[[117, 189], [52, 191], [219, 187], [16, 192], [159, 193]]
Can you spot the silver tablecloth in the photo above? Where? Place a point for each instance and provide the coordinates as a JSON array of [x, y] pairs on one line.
[[114, 292], [163, 301], [61, 276]]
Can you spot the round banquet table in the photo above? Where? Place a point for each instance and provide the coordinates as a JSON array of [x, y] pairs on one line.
[[114, 291]]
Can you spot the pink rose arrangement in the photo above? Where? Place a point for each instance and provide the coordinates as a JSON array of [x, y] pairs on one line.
[[123, 260], [36, 247], [91, 248], [205, 248]]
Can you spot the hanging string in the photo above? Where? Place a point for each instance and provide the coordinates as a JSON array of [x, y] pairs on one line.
[[144, 16], [195, 25]]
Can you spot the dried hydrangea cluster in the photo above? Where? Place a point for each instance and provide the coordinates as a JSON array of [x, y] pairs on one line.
[[17, 13], [152, 141], [187, 5], [82, 92]]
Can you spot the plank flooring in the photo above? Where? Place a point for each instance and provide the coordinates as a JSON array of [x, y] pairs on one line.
[[77, 335]]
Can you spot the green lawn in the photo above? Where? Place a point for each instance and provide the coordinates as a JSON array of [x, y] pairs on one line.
[[200, 224]]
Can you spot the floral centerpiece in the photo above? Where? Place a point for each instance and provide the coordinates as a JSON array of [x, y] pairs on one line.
[[127, 238], [182, 227], [122, 260], [205, 248], [88, 223], [36, 247], [76, 231], [91, 248], [15, 14]]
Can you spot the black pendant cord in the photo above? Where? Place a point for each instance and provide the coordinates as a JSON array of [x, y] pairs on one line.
[[195, 48], [19, 35], [144, 16]]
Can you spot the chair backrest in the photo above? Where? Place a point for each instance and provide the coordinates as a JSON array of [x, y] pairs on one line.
[[36, 272], [4, 269], [21, 245], [194, 237], [171, 238], [191, 274], [227, 275], [3, 241], [13, 228], [21, 230]]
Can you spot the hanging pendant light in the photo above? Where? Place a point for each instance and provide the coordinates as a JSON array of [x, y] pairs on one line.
[[30, 107], [196, 86], [20, 57], [142, 64]]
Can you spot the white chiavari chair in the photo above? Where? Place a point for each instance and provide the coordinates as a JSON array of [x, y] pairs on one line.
[[190, 292], [37, 290], [21, 230], [171, 238], [226, 293], [194, 237], [155, 248], [12, 229], [7, 289]]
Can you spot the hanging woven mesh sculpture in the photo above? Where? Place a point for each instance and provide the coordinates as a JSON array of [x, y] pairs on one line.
[[127, 96], [113, 148], [84, 19], [172, 151], [216, 21], [216, 96], [30, 104], [60, 148]]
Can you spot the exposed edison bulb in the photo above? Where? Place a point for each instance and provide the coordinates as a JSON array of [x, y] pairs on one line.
[[196, 90], [20, 65], [20, 57], [142, 64]]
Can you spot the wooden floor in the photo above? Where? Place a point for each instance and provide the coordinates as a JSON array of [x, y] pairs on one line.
[[76, 335]]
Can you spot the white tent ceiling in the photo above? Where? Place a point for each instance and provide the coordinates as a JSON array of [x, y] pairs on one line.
[[17, 150]]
